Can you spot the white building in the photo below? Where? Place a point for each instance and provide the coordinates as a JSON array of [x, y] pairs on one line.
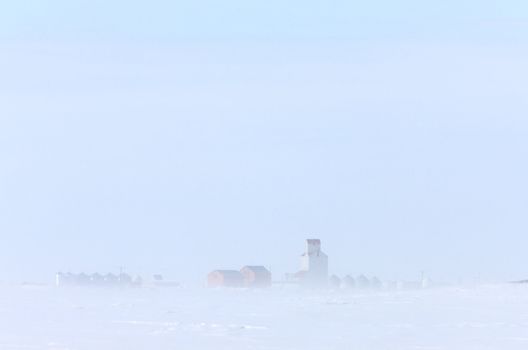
[[314, 264]]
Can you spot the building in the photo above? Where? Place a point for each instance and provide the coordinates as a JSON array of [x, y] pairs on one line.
[[314, 264], [97, 279], [65, 279], [349, 282], [335, 282], [82, 279], [426, 282], [362, 282], [159, 281], [111, 279], [225, 278], [94, 279], [124, 279], [138, 281], [256, 276]]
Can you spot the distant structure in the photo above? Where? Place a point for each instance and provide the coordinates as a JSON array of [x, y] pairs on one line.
[[362, 282], [335, 282], [426, 282], [138, 280], [314, 265], [520, 282], [256, 276], [95, 279], [248, 276], [348, 282], [111, 279], [64, 279], [83, 279], [159, 281], [225, 278], [124, 279]]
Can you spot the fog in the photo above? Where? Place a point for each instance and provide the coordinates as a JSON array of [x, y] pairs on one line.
[[187, 158], [174, 139]]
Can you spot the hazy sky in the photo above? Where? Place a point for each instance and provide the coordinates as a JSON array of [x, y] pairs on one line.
[[183, 137]]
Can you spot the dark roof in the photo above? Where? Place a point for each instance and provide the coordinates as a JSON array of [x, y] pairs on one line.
[[257, 269], [229, 273]]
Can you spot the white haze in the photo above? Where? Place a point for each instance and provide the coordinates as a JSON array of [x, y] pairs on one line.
[[180, 137], [187, 158]]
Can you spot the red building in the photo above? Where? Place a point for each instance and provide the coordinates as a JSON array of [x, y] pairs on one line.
[[225, 278], [256, 276]]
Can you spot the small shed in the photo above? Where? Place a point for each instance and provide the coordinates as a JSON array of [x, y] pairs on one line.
[[335, 282], [125, 279], [82, 279], [138, 281], [97, 279], [349, 282], [63, 279], [256, 276], [111, 279], [362, 282], [225, 278]]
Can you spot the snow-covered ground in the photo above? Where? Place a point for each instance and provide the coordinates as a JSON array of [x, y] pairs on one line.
[[485, 317]]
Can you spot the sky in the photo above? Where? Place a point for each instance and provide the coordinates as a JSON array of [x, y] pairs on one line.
[[182, 137]]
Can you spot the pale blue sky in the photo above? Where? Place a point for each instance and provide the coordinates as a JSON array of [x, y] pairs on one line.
[[183, 137], [272, 19]]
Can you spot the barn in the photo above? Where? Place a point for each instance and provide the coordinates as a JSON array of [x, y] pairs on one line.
[[256, 276], [225, 278]]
